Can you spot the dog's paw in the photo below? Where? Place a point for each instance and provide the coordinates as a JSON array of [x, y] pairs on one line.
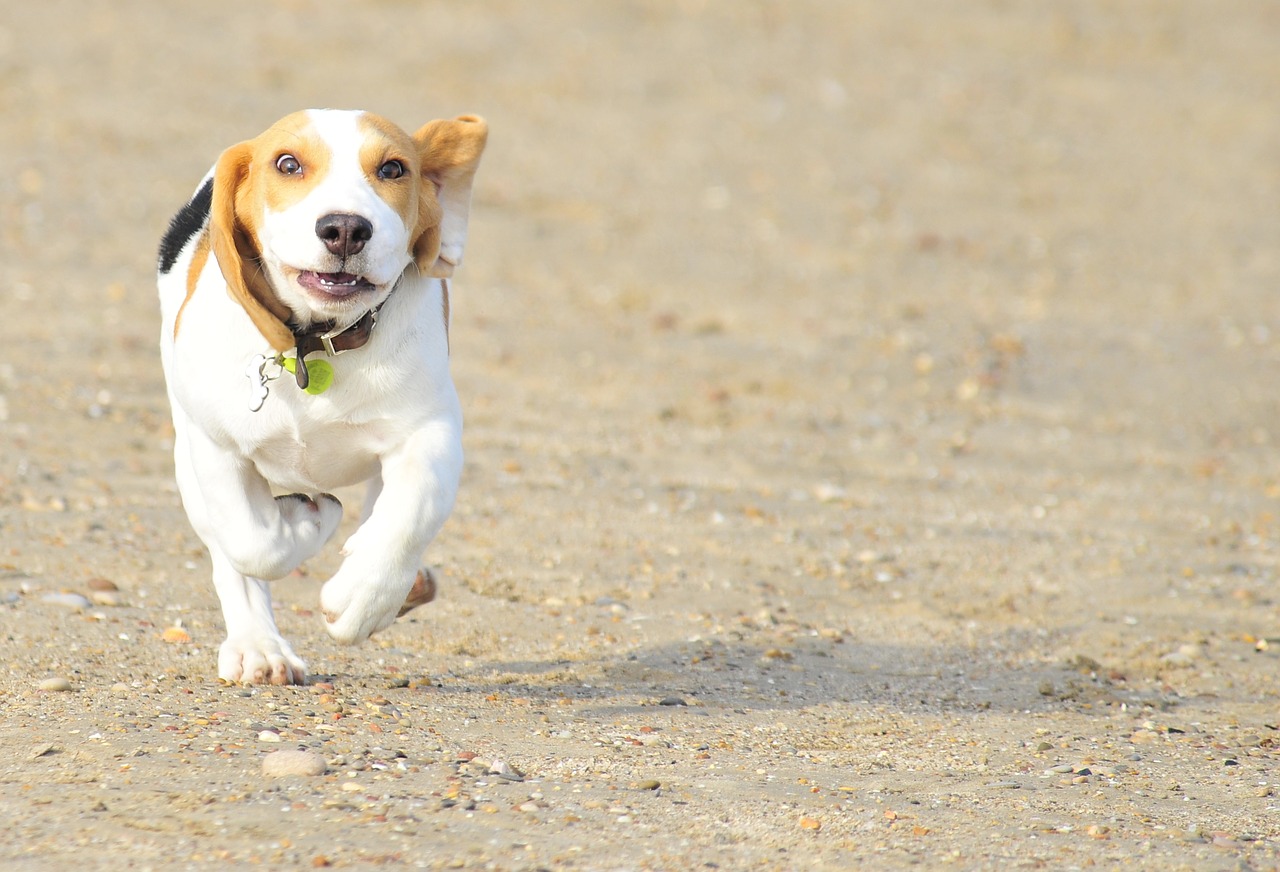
[[356, 607], [422, 592], [314, 521], [260, 660]]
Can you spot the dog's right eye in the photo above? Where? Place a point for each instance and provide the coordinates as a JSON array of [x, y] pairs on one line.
[[288, 165]]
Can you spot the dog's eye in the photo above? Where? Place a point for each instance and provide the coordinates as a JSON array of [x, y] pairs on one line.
[[392, 169], [288, 165]]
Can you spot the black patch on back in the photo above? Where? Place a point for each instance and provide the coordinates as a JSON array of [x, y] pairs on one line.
[[186, 224]]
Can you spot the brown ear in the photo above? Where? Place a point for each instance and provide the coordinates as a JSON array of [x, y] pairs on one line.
[[448, 153], [236, 247]]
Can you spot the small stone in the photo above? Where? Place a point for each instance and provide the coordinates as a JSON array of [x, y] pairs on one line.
[[647, 784], [55, 684], [826, 492], [175, 635], [40, 751], [529, 806], [398, 682], [268, 736], [672, 700], [1186, 655], [291, 762], [808, 823], [68, 600], [121, 689], [102, 584], [351, 786], [503, 770], [105, 598]]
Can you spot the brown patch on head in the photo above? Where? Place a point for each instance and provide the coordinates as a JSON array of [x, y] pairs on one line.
[[292, 135], [383, 141], [247, 182]]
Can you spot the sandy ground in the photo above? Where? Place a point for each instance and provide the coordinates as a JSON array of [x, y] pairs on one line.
[[891, 384]]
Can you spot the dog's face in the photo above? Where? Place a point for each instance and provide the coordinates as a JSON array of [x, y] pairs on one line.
[[317, 218]]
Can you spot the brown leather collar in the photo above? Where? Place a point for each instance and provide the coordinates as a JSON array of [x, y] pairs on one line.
[[324, 337]]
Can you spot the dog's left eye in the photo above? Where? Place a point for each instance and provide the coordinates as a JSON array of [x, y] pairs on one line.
[[392, 169]]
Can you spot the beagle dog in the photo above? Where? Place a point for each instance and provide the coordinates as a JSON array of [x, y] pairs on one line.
[[305, 342]]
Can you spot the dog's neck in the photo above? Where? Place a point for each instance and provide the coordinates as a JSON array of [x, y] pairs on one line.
[[332, 340]]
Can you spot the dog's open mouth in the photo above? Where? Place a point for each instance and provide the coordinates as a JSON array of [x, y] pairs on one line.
[[334, 284]]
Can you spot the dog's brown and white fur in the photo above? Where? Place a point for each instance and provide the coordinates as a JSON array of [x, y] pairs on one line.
[[321, 219]]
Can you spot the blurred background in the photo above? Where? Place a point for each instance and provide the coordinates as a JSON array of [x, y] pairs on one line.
[[838, 272]]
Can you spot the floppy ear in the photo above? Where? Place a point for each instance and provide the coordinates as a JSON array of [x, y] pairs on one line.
[[448, 154], [236, 247]]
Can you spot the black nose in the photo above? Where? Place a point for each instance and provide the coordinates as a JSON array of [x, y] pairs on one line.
[[343, 234]]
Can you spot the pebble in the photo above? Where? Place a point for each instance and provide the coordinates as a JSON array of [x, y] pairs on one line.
[[290, 762], [176, 635], [102, 584], [105, 597], [502, 769], [648, 784], [672, 700], [826, 492], [54, 684], [808, 823], [69, 600], [268, 736], [1186, 655]]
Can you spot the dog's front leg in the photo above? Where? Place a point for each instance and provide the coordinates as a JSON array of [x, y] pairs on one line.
[[420, 482], [262, 536], [233, 512]]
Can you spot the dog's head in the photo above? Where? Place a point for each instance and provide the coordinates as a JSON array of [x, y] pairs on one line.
[[316, 219]]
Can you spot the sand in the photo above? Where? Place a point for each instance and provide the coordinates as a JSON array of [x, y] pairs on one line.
[[871, 433]]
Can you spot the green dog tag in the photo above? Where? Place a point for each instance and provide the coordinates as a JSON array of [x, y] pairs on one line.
[[319, 373]]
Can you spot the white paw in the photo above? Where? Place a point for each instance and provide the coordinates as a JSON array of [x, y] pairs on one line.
[[355, 606], [314, 521], [260, 660]]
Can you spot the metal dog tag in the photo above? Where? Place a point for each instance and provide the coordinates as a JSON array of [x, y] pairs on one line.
[[255, 372]]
